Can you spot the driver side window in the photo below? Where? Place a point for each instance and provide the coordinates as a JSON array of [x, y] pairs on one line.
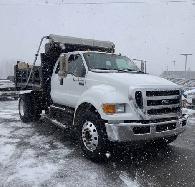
[[76, 66]]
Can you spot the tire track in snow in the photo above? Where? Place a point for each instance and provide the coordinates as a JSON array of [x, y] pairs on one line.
[[191, 121]]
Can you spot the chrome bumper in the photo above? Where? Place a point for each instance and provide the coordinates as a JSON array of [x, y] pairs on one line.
[[127, 132]]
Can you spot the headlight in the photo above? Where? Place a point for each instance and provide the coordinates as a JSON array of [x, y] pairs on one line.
[[139, 99], [113, 108]]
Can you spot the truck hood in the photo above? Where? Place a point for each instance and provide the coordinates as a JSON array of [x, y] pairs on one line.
[[133, 80]]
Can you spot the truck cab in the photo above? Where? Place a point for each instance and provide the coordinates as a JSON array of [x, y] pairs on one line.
[[105, 98]]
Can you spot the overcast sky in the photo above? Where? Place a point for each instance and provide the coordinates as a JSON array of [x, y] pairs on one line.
[[154, 30]]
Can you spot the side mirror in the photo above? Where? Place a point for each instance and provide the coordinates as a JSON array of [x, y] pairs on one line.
[[63, 69], [142, 67]]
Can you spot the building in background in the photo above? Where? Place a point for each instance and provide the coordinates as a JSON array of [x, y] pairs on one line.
[[187, 80], [178, 75]]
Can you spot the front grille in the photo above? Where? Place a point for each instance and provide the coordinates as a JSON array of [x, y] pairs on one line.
[[165, 127], [162, 103], [162, 93]]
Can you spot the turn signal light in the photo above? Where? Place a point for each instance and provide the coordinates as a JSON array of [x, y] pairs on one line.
[[109, 108], [113, 108]]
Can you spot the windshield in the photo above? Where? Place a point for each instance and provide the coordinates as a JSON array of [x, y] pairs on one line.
[[104, 61]]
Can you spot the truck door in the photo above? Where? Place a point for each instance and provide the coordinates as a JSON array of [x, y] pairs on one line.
[[73, 85], [77, 73]]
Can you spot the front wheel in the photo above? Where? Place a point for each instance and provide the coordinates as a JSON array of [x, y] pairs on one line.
[[92, 135]]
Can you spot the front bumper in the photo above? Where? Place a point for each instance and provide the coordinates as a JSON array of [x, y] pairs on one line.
[[135, 131]]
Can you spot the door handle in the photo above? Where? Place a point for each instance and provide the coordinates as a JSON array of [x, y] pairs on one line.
[[81, 81]]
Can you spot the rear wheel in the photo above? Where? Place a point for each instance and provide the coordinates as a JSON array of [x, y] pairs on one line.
[[92, 135], [27, 110]]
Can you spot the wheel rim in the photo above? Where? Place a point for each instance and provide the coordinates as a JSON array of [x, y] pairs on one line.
[[21, 107], [90, 136]]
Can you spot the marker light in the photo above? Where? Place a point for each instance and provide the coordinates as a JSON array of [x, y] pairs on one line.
[[113, 108]]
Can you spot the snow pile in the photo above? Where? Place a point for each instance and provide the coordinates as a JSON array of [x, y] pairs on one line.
[[9, 110], [128, 181], [6, 84], [26, 157], [32, 170], [6, 151], [191, 120]]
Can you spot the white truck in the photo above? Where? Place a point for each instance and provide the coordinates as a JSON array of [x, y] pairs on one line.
[[101, 96]]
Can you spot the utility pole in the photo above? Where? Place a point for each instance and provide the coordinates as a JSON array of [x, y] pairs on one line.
[[186, 55], [168, 73], [174, 64]]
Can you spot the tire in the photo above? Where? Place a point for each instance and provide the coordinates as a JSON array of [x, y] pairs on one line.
[[27, 110], [92, 135]]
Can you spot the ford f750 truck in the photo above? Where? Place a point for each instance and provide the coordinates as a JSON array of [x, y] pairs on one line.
[[101, 96]]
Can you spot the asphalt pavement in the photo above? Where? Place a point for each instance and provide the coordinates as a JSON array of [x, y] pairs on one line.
[[41, 154]]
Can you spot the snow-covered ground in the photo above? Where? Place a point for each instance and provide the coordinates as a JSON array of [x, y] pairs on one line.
[[40, 154], [191, 120], [4, 83], [31, 157], [7, 90], [36, 161]]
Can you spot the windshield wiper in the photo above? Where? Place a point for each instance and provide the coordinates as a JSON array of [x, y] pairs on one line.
[[118, 70], [103, 69], [124, 70], [106, 69]]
